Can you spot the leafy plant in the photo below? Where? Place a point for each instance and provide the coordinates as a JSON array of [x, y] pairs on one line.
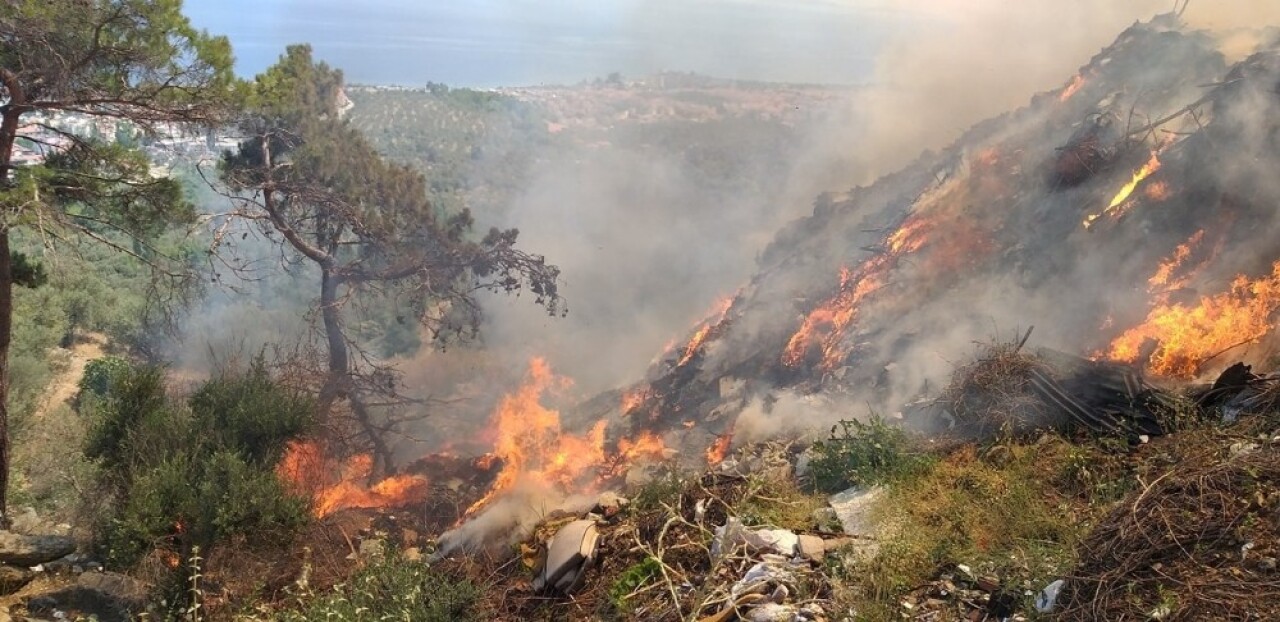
[[859, 453], [191, 474], [100, 373], [391, 588], [632, 579]]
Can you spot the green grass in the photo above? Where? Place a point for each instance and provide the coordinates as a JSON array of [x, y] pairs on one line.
[[392, 588], [1010, 517]]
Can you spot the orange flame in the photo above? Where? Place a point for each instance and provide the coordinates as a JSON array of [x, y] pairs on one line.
[[826, 324], [533, 446], [1152, 165], [1162, 278], [339, 487], [1071, 88], [1187, 337], [700, 336], [1157, 191], [635, 398], [719, 449]]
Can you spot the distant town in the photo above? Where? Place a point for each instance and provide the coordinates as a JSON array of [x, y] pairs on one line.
[[45, 134]]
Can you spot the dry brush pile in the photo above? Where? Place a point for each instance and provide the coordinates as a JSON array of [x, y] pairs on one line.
[[1197, 541]]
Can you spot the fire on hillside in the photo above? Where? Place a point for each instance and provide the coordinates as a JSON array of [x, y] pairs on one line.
[[871, 300]]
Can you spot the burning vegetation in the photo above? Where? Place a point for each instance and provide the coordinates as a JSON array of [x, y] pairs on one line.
[[1188, 336], [1027, 464]]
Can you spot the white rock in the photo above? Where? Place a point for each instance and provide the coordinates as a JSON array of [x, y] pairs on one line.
[[772, 612], [853, 508]]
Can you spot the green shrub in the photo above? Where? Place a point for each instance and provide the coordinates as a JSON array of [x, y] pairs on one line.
[[632, 579], [391, 589], [195, 473], [100, 373], [859, 454], [252, 414]]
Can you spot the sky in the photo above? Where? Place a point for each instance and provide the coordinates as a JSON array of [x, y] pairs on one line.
[[483, 43]]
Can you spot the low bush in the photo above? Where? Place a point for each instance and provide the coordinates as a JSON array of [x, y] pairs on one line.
[[391, 588], [100, 373], [632, 579], [189, 474], [860, 454]]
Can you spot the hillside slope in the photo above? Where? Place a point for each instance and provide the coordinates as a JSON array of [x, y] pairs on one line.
[[1128, 215]]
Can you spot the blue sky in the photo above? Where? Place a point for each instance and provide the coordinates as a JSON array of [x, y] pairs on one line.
[[521, 42]]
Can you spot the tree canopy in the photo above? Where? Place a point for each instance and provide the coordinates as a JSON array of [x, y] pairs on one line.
[[138, 61], [317, 186]]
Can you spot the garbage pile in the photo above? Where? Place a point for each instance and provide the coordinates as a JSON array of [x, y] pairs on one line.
[[692, 548]]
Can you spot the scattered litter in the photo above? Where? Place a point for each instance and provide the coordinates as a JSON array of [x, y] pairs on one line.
[[1048, 597]]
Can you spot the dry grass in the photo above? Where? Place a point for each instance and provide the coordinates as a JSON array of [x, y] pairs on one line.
[[992, 393], [1197, 540]]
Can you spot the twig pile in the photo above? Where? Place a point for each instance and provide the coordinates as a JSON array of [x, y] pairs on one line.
[[993, 392], [1197, 543]]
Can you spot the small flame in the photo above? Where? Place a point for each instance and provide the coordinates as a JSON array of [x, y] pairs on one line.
[[1071, 88], [718, 314], [826, 324], [1187, 337], [635, 398], [533, 447], [1152, 165], [340, 487], [1157, 191], [1161, 280], [719, 449]]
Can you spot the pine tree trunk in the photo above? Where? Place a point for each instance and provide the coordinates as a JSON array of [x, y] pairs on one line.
[[8, 134], [336, 385], [6, 332]]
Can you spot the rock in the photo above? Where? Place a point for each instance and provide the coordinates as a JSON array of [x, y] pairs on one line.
[[412, 554], [812, 611], [812, 547], [103, 596], [853, 508], [827, 521], [610, 504], [409, 537], [127, 592], [988, 583], [12, 578], [26, 521], [570, 553], [802, 465], [22, 550], [42, 605], [772, 612]]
